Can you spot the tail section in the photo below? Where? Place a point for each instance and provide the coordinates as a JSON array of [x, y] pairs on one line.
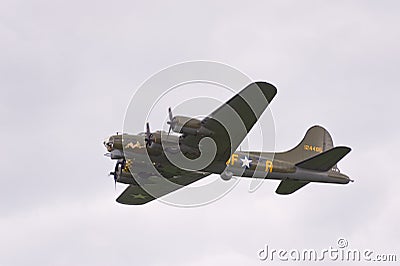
[[315, 152], [316, 141], [321, 162]]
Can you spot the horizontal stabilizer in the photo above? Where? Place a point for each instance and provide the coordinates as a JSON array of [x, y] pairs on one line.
[[288, 186], [326, 160]]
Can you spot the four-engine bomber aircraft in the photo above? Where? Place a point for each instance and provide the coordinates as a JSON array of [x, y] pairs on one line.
[[144, 159]]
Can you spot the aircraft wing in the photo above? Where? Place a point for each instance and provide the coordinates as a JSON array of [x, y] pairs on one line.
[[237, 116], [138, 195]]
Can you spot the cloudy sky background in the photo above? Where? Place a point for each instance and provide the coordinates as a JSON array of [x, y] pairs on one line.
[[69, 68]]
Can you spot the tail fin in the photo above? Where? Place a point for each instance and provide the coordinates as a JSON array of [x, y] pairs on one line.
[[316, 141]]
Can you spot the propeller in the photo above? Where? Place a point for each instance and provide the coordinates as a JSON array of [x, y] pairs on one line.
[[171, 121], [114, 174], [118, 169], [149, 136]]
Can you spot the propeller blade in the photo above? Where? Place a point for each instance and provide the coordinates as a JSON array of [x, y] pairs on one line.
[[148, 128], [115, 175], [115, 179], [170, 122], [149, 136], [170, 114]]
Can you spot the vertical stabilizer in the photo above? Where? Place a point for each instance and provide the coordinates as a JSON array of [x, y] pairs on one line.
[[316, 141]]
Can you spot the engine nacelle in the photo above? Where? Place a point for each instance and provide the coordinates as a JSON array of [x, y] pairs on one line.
[[140, 169], [226, 175], [183, 124], [125, 177], [190, 126]]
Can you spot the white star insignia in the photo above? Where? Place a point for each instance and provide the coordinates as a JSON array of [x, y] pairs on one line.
[[246, 162]]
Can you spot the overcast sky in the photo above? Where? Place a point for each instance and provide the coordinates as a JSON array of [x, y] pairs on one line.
[[69, 68]]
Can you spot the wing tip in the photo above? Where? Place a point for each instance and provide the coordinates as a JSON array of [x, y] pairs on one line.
[[268, 89]]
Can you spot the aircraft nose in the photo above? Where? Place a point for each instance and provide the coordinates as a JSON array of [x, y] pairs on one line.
[[108, 143]]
